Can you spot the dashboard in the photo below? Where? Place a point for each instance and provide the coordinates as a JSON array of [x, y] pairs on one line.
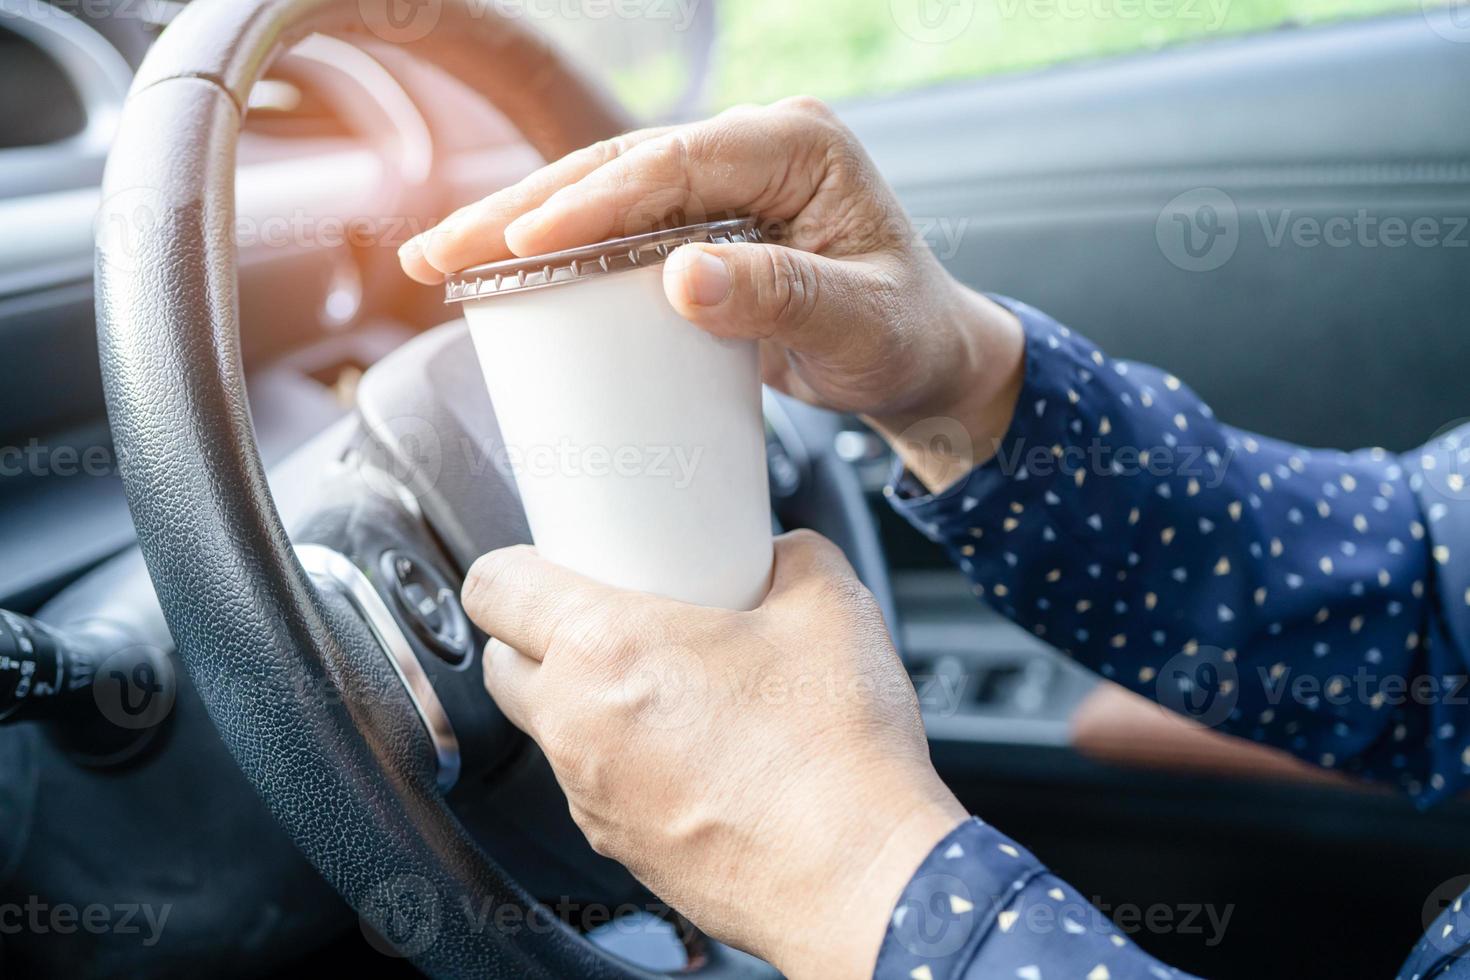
[[334, 133]]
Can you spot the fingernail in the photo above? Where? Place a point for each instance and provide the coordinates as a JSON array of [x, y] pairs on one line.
[[412, 248], [526, 224], [706, 278]]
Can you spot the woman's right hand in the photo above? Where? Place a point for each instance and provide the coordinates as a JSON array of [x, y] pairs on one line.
[[852, 310]]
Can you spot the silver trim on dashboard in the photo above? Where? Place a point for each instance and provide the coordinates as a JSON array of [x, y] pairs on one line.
[[415, 141], [335, 570], [57, 231]]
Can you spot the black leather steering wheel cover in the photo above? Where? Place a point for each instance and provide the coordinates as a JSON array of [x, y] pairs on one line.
[[351, 779]]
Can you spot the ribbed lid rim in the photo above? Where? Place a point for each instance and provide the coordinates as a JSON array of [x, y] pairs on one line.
[[590, 261]]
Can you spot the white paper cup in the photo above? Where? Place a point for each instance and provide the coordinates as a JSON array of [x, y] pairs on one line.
[[636, 439]]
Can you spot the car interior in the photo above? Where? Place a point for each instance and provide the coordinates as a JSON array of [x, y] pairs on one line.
[[171, 385]]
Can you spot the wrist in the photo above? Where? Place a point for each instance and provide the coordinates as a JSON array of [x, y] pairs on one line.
[[960, 421], [872, 854]]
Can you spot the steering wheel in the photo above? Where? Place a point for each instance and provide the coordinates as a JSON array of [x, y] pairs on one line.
[[281, 654]]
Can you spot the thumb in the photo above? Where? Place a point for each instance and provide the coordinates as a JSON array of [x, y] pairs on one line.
[[810, 304]]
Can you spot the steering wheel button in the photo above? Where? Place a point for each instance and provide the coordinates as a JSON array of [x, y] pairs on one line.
[[429, 606]]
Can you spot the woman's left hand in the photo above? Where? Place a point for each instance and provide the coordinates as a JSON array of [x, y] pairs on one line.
[[764, 772]]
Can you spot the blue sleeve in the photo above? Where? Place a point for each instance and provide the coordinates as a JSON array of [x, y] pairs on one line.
[[982, 906], [1314, 600]]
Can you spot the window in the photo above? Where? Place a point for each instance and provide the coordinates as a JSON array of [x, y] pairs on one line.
[[29, 80], [835, 49]]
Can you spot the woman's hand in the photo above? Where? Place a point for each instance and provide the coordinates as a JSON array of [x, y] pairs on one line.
[[853, 311], [764, 772]]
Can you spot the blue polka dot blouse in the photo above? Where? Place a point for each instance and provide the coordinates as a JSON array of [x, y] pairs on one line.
[[1314, 600]]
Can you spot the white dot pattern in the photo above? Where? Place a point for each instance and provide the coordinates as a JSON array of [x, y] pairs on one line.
[[980, 906], [1279, 593], [1314, 600]]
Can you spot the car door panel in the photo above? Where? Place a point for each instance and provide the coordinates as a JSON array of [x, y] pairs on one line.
[[1056, 187]]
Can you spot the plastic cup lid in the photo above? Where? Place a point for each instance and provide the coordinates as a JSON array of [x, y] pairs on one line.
[[590, 261]]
